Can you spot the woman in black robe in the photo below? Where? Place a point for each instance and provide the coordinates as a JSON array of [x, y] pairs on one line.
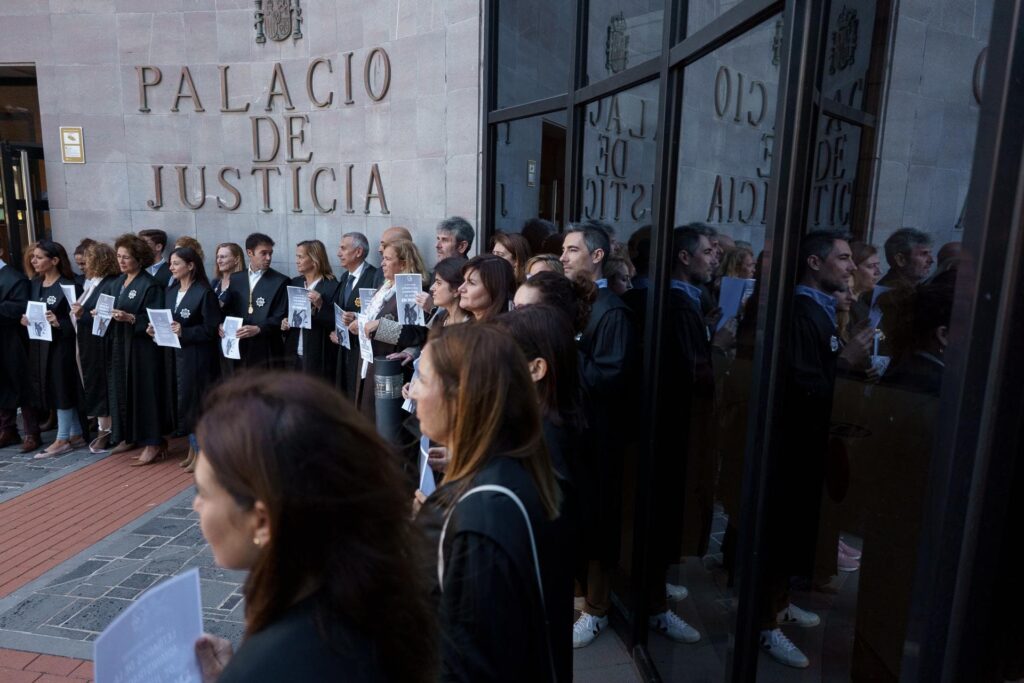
[[136, 384], [503, 605], [196, 365], [94, 350], [53, 379], [311, 350]]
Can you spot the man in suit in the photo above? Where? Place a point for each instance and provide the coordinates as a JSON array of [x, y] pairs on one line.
[[797, 467], [359, 273], [395, 232], [607, 351], [14, 294], [258, 295], [160, 270]]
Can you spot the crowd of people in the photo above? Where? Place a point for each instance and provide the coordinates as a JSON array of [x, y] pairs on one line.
[[520, 382]]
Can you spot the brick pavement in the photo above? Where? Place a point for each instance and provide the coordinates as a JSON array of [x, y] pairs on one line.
[[28, 667]]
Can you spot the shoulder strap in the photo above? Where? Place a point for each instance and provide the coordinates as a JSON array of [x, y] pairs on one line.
[[494, 488]]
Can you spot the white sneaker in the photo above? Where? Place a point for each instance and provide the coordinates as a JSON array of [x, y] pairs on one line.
[[671, 625], [782, 649], [801, 617], [676, 593], [586, 629]]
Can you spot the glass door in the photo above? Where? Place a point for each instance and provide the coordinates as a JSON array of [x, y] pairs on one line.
[[24, 208]]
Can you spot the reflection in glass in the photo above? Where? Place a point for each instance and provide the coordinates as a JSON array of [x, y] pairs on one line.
[[621, 34], [529, 171], [533, 52]]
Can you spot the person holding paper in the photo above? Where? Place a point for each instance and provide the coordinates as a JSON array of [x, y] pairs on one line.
[[359, 274], [503, 605], [259, 297], [194, 367], [295, 486], [139, 396], [94, 351], [311, 350], [383, 328], [14, 294]]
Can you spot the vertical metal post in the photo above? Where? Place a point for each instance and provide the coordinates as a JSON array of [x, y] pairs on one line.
[[26, 194]]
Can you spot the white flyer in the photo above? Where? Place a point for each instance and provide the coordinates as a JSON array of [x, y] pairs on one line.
[[300, 311], [365, 345], [229, 344], [38, 326], [69, 294], [161, 319], [730, 298], [340, 328], [409, 285], [104, 311], [365, 297], [153, 641]]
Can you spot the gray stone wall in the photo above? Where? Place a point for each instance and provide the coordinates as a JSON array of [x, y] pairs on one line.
[[423, 136]]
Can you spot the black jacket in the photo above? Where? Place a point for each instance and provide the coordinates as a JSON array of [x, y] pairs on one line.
[[196, 365], [94, 352], [269, 300], [14, 293], [53, 376], [319, 354], [346, 376]]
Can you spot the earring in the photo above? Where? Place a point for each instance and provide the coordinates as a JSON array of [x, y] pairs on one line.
[[256, 540]]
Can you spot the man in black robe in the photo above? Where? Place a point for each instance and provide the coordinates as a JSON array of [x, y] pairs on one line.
[[607, 352], [259, 296], [14, 293], [797, 471], [160, 270], [359, 274]]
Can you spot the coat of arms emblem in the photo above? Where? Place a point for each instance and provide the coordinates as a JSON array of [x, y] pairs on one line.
[[185, 314], [278, 19], [843, 52], [132, 294], [51, 300], [261, 302], [616, 50]]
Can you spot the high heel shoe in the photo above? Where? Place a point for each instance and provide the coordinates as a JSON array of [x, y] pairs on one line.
[[100, 443], [160, 454], [188, 458], [122, 447]]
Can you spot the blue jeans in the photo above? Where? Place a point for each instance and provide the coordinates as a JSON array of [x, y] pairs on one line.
[[193, 442], [67, 424]]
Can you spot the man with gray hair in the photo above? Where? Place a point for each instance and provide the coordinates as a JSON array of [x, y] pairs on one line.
[[454, 237], [909, 254], [352, 253]]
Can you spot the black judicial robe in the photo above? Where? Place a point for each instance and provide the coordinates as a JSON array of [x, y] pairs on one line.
[[53, 379], [140, 400], [163, 274], [492, 621], [607, 353], [14, 293], [685, 456], [196, 365], [94, 352], [797, 473], [269, 307], [319, 353], [347, 364]]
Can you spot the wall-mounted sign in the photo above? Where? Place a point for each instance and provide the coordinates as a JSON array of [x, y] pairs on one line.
[[72, 146], [531, 173]]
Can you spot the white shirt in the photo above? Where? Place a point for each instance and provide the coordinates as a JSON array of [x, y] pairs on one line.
[[155, 267], [254, 277], [177, 299], [2, 264], [357, 273]]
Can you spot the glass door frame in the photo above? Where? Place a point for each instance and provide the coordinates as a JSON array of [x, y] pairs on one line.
[[13, 194]]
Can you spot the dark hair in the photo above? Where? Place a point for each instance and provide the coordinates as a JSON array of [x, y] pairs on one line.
[[492, 408], [256, 239], [596, 235], [56, 250], [553, 244], [519, 248], [818, 243], [83, 245], [639, 246], [573, 297], [460, 228], [920, 312], [498, 279], [190, 255], [543, 331], [535, 231], [903, 241], [450, 270], [685, 239], [158, 236], [138, 248], [339, 514]]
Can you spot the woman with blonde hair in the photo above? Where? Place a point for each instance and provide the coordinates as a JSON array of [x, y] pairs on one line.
[[311, 350], [381, 314], [544, 262], [101, 272], [504, 552], [228, 259]]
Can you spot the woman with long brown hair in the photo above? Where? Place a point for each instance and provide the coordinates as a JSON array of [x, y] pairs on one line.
[[514, 248], [54, 382], [489, 283], [294, 485], [101, 272], [504, 564], [311, 350]]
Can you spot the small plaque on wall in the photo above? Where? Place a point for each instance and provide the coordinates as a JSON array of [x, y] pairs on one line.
[[72, 145], [531, 173]]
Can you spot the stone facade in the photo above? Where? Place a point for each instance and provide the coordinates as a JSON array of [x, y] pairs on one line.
[[422, 136]]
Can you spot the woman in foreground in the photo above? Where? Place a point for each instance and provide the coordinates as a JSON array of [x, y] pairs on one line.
[[294, 485], [504, 553]]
